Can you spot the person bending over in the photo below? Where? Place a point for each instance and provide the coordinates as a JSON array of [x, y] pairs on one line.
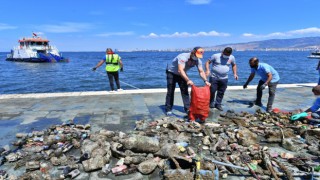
[[269, 77], [176, 73]]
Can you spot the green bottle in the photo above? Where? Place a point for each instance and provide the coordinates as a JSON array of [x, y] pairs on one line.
[[317, 168]]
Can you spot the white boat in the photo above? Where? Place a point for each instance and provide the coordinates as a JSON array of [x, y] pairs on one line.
[[35, 49], [315, 55]]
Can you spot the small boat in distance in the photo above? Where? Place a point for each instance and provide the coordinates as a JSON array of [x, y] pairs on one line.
[[315, 54], [35, 49]]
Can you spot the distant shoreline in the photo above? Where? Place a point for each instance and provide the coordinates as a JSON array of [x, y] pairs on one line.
[[293, 44]]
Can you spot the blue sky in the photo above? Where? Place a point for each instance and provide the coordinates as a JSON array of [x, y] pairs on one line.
[[94, 25]]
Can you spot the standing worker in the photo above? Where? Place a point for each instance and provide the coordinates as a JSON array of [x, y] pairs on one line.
[[269, 77], [113, 64], [176, 73], [219, 75]]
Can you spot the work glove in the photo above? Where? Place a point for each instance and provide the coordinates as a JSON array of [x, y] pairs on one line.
[[93, 69], [263, 86], [121, 69], [298, 116], [245, 86]]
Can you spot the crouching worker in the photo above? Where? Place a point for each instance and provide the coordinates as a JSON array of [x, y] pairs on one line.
[[313, 110]]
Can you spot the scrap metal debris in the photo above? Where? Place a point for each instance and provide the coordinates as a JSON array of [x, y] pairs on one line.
[[260, 146]]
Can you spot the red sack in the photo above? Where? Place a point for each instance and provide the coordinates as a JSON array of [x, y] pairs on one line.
[[200, 99]]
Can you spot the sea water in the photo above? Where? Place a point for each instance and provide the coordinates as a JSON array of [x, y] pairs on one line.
[[142, 70]]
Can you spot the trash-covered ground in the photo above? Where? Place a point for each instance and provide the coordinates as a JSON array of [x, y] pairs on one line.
[[240, 145]]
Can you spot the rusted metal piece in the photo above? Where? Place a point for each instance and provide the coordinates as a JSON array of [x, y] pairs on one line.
[[267, 162], [225, 164], [285, 169]]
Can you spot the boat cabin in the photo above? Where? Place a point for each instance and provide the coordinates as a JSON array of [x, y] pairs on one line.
[[35, 43]]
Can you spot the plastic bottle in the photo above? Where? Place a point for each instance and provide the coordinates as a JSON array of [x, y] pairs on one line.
[[84, 136], [118, 169], [126, 171], [216, 174], [183, 144], [198, 167], [44, 168], [317, 168]]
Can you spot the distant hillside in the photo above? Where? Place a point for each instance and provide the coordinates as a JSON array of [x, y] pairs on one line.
[[306, 43]]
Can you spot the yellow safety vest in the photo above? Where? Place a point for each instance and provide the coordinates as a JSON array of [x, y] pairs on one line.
[[112, 61]]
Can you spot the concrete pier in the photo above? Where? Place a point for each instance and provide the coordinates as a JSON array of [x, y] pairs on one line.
[[120, 110]]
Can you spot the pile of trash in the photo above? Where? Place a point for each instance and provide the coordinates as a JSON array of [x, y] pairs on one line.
[[261, 146]]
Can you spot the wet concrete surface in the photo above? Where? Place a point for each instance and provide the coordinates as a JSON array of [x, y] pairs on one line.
[[119, 111]]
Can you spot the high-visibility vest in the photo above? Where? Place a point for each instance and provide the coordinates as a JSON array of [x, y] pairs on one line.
[[112, 61]]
